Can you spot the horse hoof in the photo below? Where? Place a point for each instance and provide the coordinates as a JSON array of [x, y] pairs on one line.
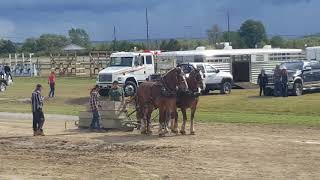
[[192, 133], [174, 131], [149, 133], [183, 132], [162, 135]]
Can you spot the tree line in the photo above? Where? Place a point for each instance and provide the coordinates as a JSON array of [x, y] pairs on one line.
[[251, 34]]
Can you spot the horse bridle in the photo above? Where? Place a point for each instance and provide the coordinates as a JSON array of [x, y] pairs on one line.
[[172, 91]]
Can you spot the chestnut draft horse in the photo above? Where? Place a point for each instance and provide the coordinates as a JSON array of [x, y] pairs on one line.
[[188, 99], [159, 94]]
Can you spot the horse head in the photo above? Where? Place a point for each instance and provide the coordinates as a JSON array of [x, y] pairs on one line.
[[195, 80], [176, 78]]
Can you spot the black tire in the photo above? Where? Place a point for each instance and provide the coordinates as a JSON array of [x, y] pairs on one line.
[[226, 87], [297, 89], [104, 92], [130, 88], [3, 87]]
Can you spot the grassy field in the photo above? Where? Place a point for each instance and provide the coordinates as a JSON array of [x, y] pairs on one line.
[[242, 106]]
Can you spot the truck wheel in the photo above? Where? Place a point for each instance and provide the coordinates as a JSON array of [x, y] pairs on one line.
[[226, 88], [2, 87], [130, 88], [104, 92], [297, 89]]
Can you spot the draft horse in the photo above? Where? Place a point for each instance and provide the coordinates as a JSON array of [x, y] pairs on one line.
[[188, 99], [160, 95]]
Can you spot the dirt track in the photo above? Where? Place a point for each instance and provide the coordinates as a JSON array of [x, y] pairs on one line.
[[219, 151]]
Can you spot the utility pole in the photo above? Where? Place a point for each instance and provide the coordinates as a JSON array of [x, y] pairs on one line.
[[114, 38], [228, 18], [147, 22]]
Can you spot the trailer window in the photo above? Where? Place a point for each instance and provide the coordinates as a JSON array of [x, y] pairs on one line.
[[148, 59]]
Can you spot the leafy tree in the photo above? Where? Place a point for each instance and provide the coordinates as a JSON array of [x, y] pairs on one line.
[[253, 33], [52, 43], [214, 35], [79, 37], [235, 39], [277, 41], [7, 46], [30, 45], [171, 45]]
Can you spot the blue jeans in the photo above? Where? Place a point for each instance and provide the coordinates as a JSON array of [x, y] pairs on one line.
[[95, 123], [277, 89], [52, 89]]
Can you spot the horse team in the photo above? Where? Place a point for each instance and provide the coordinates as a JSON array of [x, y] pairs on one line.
[[174, 90]]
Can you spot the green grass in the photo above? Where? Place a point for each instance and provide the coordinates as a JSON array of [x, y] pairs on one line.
[[242, 106]]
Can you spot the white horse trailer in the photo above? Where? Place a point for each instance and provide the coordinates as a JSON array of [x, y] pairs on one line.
[[244, 64], [313, 53]]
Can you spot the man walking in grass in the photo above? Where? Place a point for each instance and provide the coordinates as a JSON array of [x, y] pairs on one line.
[[95, 104], [52, 83], [37, 113]]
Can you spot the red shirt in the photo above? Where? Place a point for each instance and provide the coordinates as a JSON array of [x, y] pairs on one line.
[[52, 78]]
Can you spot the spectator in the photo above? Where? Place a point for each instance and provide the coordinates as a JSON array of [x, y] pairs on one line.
[[262, 81], [38, 116], [95, 104], [52, 83], [284, 82], [116, 92], [277, 81], [7, 70]]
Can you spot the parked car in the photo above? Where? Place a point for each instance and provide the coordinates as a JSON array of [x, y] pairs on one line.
[[302, 75], [214, 79]]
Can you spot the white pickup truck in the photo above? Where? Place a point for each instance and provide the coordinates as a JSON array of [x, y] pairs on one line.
[[129, 69], [214, 79]]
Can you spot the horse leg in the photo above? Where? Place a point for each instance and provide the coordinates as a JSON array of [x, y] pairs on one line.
[[174, 124], [149, 131], [193, 111], [183, 126], [161, 121], [144, 122]]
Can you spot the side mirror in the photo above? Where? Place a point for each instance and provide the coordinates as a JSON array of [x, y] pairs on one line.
[[308, 68], [204, 76], [217, 71]]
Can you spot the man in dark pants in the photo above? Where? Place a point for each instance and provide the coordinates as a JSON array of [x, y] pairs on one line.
[[7, 70], [284, 82], [38, 116], [277, 81], [262, 81]]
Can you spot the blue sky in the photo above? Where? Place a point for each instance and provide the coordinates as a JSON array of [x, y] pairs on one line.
[[20, 19]]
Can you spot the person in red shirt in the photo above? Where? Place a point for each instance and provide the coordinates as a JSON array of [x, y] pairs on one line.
[[52, 83]]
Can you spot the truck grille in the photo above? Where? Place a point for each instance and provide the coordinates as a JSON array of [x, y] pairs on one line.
[[105, 77]]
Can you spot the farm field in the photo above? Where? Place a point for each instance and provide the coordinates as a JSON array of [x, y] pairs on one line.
[[238, 136], [242, 106]]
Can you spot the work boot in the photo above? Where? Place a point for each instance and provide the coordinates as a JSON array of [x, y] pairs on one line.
[[41, 133], [35, 133]]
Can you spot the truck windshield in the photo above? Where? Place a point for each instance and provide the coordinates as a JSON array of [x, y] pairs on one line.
[[121, 61], [292, 66]]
